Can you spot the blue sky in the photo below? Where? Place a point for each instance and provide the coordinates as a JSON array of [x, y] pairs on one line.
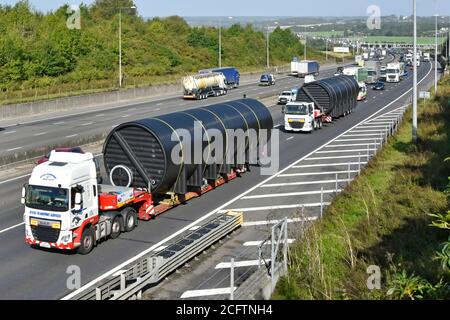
[[148, 8]]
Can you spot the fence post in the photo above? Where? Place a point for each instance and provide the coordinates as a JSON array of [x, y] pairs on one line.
[[232, 279], [321, 202]]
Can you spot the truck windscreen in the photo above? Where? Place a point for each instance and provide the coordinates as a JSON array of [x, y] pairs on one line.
[[300, 110], [47, 198]]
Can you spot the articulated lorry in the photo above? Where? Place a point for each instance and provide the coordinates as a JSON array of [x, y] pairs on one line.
[[231, 74], [202, 86], [320, 102], [304, 68], [394, 72], [373, 71], [67, 206]]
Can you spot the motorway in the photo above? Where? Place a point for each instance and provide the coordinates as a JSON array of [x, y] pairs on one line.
[[37, 274], [24, 135]]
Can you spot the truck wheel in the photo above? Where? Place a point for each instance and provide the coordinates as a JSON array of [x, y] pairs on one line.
[[116, 227], [130, 219], [87, 241]]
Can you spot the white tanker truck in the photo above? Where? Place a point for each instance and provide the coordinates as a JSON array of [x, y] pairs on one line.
[[202, 86]]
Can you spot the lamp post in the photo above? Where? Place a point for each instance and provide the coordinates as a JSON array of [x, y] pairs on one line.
[[268, 45], [414, 118], [304, 49], [120, 42], [220, 41], [435, 57], [326, 49]]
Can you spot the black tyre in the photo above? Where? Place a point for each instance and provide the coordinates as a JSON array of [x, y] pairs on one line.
[[87, 241], [116, 227], [130, 220]]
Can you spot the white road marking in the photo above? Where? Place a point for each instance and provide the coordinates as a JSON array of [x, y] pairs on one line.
[[352, 145], [57, 123], [125, 115], [157, 109], [39, 134], [206, 292], [13, 149], [240, 264], [100, 115], [327, 164], [305, 183], [344, 151], [14, 179], [12, 227], [290, 138], [9, 132], [266, 222], [334, 157], [290, 194], [118, 273], [195, 228], [362, 135], [303, 174], [209, 214], [281, 207], [368, 130], [362, 139], [159, 104], [71, 136], [87, 124], [259, 242]]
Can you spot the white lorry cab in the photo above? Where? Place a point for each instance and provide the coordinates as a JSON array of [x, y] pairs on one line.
[[302, 116], [362, 94], [66, 207], [393, 72]]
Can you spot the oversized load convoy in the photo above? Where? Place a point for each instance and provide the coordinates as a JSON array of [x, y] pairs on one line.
[[67, 207], [320, 102]]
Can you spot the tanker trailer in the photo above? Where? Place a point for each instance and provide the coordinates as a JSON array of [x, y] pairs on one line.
[[202, 86]]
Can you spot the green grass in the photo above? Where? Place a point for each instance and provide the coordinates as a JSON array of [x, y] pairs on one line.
[[401, 40], [382, 219]]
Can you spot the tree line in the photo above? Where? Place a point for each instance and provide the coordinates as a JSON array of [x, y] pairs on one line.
[[38, 49]]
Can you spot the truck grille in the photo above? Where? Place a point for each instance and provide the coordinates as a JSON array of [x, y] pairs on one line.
[[45, 234], [297, 125]]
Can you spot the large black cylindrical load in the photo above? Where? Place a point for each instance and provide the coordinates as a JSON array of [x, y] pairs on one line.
[[336, 96], [139, 153]]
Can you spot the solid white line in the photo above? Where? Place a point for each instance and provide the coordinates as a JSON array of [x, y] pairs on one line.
[[314, 173], [259, 242], [209, 214], [239, 264], [363, 135], [39, 134], [13, 149], [266, 222], [351, 144], [71, 136], [206, 292], [14, 179], [334, 157], [368, 130], [303, 183], [326, 164], [362, 139], [281, 207], [344, 151], [290, 194], [161, 248], [12, 227]]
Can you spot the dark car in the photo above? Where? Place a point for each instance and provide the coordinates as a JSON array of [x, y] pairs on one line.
[[378, 86], [267, 79], [62, 149]]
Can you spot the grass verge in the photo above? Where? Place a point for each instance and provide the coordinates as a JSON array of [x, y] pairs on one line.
[[382, 223]]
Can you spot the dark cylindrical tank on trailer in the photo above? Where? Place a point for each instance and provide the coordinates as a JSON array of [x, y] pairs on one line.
[[336, 96], [141, 153]]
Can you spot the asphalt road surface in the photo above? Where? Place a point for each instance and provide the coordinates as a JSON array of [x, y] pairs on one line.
[[26, 273]]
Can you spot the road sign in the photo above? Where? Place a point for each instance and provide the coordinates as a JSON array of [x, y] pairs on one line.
[[341, 49], [424, 95]]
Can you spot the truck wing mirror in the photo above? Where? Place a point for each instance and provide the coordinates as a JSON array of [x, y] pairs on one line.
[[77, 205], [283, 109], [24, 194]]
